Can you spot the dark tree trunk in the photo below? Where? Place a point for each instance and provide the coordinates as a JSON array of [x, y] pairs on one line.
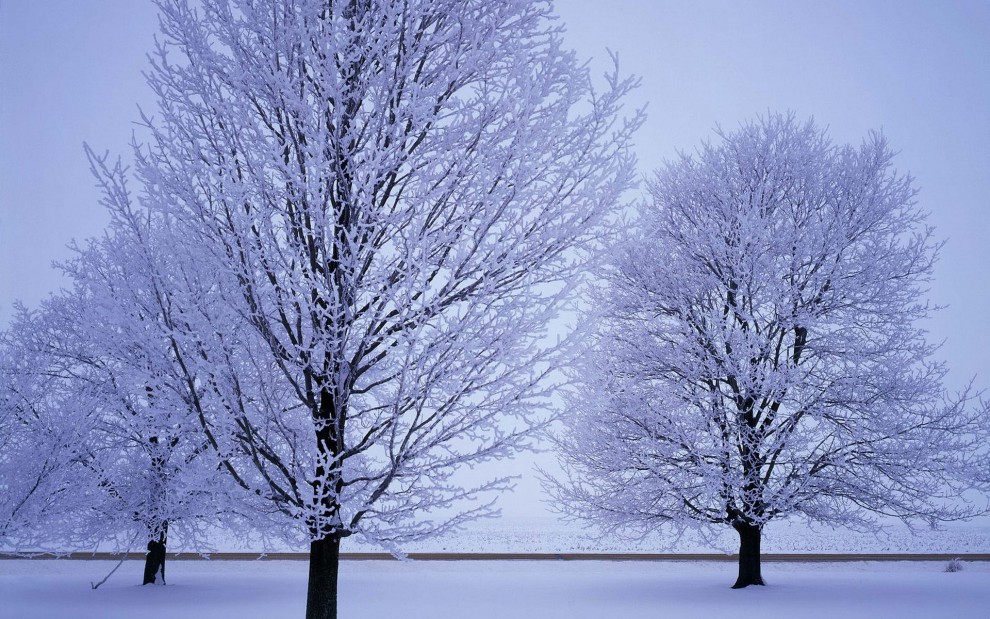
[[321, 597], [154, 561], [749, 555]]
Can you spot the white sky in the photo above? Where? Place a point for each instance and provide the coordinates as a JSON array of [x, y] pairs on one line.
[[70, 71]]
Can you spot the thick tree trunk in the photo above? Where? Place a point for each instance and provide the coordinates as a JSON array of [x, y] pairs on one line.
[[321, 597], [749, 555], [154, 561]]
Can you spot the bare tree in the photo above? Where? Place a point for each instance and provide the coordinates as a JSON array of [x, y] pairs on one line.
[[384, 203], [760, 353]]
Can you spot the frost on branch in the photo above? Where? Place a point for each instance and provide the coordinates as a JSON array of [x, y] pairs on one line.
[[36, 449], [761, 354], [388, 201]]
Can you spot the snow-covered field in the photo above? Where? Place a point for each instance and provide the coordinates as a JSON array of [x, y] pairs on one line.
[[47, 589]]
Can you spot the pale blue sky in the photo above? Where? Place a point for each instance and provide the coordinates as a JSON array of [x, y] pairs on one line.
[[71, 71], [920, 71]]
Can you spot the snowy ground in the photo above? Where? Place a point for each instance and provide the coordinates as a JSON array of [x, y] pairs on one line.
[[46, 589]]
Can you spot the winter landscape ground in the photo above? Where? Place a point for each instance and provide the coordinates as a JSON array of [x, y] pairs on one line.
[[503, 589], [53, 589]]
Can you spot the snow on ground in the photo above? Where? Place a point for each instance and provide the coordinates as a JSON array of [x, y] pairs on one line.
[[47, 589]]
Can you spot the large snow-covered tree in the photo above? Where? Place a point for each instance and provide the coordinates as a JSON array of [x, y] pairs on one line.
[[762, 351], [387, 201]]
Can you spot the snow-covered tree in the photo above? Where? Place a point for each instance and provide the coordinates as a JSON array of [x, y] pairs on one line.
[[37, 449], [156, 470], [107, 432], [762, 351], [387, 202]]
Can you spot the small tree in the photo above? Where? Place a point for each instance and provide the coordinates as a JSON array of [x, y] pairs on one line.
[[156, 469], [760, 353], [384, 204], [104, 440]]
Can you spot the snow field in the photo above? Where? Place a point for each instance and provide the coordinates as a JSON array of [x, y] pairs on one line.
[[46, 589]]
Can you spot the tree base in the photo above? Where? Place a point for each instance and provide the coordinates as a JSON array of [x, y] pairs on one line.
[[154, 562], [749, 555], [742, 585]]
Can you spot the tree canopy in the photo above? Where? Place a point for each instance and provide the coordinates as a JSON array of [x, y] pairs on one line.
[[762, 351]]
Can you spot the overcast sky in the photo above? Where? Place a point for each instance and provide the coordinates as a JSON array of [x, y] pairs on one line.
[[70, 71]]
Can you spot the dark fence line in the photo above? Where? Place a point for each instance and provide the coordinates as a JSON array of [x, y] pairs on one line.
[[517, 556]]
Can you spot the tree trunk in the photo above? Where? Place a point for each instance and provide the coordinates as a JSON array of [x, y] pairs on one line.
[[749, 555], [321, 597], [154, 561]]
